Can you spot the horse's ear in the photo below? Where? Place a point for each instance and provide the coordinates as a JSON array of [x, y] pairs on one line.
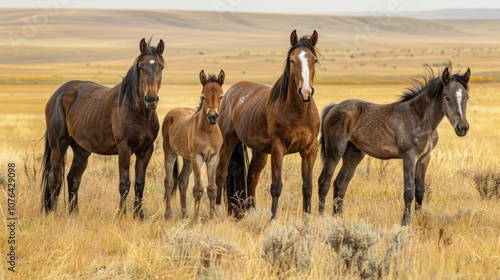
[[314, 38], [446, 76], [467, 75], [161, 46], [143, 46], [294, 38], [203, 77], [221, 77]]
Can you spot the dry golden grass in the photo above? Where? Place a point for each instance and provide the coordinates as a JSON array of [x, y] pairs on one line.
[[456, 236]]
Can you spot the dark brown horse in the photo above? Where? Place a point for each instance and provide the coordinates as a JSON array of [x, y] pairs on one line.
[[278, 120], [194, 135], [405, 129], [91, 118]]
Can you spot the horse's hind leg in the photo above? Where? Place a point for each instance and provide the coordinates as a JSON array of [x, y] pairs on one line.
[[56, 173], [332, 158], [183, 185], [257, 164], [141, 164], [350, 160], [228, 146], [78, 166]]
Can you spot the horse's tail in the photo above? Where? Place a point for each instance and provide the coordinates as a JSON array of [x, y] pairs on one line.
[[236, 183], [176, 177], [49, 204], [322, 132]]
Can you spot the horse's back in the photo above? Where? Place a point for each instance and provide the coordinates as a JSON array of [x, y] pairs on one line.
[[243, 113], [83, 109], [70, 92], [370, 127]]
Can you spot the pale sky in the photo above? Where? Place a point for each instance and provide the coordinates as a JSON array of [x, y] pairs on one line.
[[268, 6]]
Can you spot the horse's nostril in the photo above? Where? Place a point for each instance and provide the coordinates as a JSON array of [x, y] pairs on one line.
[[150, 99]]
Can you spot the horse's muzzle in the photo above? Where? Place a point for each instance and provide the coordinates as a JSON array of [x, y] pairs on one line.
[[305, 96], [151, 101], [212, 118], [461, 129]]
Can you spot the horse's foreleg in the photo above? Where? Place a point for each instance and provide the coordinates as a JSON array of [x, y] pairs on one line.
[[421, 169], [350, 160], [212, 186], [308, 159], [78, 166], [409, 184], [277, 154], [196, 163], [169, 162], [257, 164], [187, 168], [141, 164], [124, 187]]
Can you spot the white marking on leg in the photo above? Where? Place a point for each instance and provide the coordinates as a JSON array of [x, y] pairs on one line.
[[305, 71], [459, 101]]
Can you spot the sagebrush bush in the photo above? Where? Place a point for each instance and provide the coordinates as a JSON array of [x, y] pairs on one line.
[[293, 247], [487, 183]]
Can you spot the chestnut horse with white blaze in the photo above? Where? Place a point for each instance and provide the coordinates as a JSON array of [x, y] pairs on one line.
[[277, 120]]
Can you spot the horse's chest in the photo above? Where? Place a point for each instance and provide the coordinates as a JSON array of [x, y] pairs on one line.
[[296, 136], [141, 137]]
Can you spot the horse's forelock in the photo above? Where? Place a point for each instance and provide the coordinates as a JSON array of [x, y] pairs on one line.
[[130, 83]]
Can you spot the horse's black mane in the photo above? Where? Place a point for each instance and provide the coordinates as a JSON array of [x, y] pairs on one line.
[[130, 83], [280, 88], [428, 82], [211, 79]]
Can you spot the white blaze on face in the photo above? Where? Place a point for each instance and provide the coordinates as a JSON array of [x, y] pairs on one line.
[[305, 71], [459, 102], [152, 61]]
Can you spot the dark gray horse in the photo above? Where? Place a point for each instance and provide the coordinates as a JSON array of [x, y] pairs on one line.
[[405, 129]]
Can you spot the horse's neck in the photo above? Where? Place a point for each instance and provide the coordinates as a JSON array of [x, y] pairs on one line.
[[201, 122], [430, 109]]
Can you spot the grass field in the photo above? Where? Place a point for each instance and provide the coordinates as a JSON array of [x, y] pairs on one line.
[[455, 237]]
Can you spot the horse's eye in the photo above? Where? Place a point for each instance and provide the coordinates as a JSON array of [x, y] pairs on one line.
[[315, 60], [221, 97], [291, 61], [447, 98]]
